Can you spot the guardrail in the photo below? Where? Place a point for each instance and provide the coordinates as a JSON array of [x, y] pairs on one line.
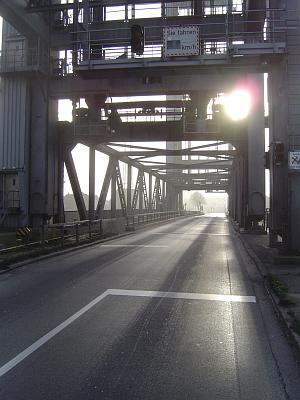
[[73, 230], [59, 233], [138, 219], [74, 233]]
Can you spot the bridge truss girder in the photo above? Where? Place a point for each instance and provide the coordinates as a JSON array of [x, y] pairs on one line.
[[207, 74], [146, 197]]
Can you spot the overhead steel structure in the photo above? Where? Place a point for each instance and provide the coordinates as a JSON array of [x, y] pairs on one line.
[[108, 51]]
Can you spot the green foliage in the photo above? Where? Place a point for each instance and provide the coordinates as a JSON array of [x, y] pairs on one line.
[[296, 326], [278, 287]]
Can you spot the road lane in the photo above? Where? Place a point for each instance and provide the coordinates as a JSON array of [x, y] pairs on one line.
[[136, 347]]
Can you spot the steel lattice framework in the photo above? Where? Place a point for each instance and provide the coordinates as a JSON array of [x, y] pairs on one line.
[[77, 50]]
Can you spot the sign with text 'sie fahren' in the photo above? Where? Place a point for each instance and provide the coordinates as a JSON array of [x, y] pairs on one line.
[[181, 41]]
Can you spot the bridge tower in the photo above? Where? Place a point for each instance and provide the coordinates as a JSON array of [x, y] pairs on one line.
[[31, 166]]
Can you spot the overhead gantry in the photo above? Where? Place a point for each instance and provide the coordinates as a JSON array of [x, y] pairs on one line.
[[110, 51]]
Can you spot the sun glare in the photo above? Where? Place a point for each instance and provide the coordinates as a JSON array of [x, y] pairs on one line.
[[238, 104]]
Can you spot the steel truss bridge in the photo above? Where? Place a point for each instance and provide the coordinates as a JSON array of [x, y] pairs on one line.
[[84, 50]]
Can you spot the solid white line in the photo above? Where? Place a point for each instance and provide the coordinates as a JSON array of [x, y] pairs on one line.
[[150, 246], [117, 292], [215, 234], [192, 234], [44, 339], [181, 295]]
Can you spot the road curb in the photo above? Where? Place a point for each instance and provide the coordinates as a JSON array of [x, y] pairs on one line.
[[282, 314]]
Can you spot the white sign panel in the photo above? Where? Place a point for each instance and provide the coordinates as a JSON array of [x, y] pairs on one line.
[[294, 160], [181, 41]]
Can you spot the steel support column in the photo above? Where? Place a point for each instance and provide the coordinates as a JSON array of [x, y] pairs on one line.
[[150, 192], [108, 175], [172, 197], [92, 183], [160, 195], [38, 152], [121, 191], [180, 201], [136, 193], [113, 200], [58, 209], [55, 179], [284, 101], [129, 183], [163, 193], [70, 166], [256, 154], [141, 197]]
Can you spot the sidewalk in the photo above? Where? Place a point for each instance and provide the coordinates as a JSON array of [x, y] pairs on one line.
[[282, 279]]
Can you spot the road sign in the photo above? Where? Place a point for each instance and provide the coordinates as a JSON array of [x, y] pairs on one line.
[[294, 160], [181, 41]]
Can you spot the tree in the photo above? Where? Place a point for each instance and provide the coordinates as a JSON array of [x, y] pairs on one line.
[[197, 201]]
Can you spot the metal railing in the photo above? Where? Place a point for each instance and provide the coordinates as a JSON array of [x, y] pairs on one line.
[[97, 126], [64, 18], [235, 31], [87, 229], [141, 219], [73, 233], [194, 125], [91, 128], [261, 31], [58, 234], [261, 26], [106, 124]]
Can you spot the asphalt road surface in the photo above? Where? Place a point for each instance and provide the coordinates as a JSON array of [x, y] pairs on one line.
[[175, 311]]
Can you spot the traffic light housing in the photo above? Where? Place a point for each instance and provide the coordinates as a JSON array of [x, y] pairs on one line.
[[278, 153], [137, 39]]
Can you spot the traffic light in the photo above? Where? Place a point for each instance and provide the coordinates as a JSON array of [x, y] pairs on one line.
[[278, 153], [137, 39]]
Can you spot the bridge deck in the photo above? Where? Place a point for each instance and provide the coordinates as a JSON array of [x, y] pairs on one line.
[[187, 319]]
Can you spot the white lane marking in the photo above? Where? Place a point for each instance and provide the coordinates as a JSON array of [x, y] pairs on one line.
[[192, 234], [187, 296], [196, 226], [215, 234], [117, 292], [150, 246], [44, 339]]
